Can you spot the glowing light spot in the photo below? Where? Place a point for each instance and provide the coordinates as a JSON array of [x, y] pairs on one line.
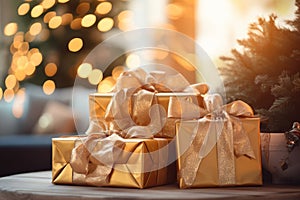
[[105, 24], [9, 95], [133, 61], [18, 105], [84, 70], [49, 87], [10, 29], [174, 11], [95, 76], [21, 61], [66, 18], [55, 22], [125, 20], [37, 11], [83, 8], [106, 85], [36, 58], [117, 71], [45, 120], [23, 47], [125, 15], [50, 69], [28, 37], [63, 1], [75, 44], [48, 4], [10, 81], [48, 16], [35, 28], [20, 74], [29, 69], [76, 24], [88, 20], [104, 8], [23, 9]]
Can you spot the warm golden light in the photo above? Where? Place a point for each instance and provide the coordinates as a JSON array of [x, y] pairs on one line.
[[28, 37], [8, 95], [105, 24], [63, 1], [95, 76], [76, 24], [21, 61], [48, 16], [183, 62], [125, 15], [50, 69], [10, 29], [66, 18], [23, 9], [37, 11], [35, 29], [23, 47], [125, 20], [48, 4], [106, 85], [29, 69], [49, 87], [83, 8], [10, 81], [18, 105], [174, 11], [84, 70], [117, 71], [75, 44], [132, 61], [20, 74], [88, 20], [36, 58], [104, 8], [55, 22]]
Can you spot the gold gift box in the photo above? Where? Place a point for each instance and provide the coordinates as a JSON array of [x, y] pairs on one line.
[[130, 170], [98, 103], [247, 171]]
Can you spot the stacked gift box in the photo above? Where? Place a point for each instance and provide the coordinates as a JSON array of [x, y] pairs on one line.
[[153, 122]]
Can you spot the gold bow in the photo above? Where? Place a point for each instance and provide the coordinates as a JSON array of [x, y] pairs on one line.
[[220, 127], [134, 108]]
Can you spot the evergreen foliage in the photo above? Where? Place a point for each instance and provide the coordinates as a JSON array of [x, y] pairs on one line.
[[266, 72]]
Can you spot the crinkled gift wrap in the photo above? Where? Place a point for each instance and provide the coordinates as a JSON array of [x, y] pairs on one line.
[[134, 167], [232, 158]]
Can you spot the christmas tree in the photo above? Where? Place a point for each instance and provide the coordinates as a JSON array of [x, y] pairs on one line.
[[266, 71]]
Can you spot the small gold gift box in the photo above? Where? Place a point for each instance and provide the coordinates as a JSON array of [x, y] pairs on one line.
[[175, 106], [140, 165], [210, 173]]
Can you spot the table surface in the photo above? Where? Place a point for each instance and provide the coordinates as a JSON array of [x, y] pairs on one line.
[[38, 185]]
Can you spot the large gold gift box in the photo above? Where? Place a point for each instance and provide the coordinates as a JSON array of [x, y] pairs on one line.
[[130, 170], [247, 170], [98, 103]]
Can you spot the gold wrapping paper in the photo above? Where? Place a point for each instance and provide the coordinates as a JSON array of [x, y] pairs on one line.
[[174, 105], [247, 169], [131, 169]]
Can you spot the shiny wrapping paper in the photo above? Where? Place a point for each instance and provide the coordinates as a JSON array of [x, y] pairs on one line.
[[131, 169], [174, 105], [247, 170]]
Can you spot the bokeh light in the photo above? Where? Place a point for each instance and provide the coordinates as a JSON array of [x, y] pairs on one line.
[[95, 76], [63, 1], [66, 18], [10, 29], [36, 58], [105, 24], [35, 28], [83, 8], [55, 22], [84, 70], [1, 93], [48, 4], [49, 87], [18, 105], [106, 85], [29, 68], [132, 61], [50, 69], [76, 24], [125, 20], [104, 8], [88, 20], [37, 11], [174, 11], [23, 9], [8, 95], [75, 44], [48, 16], [10, 81], [117, 71]]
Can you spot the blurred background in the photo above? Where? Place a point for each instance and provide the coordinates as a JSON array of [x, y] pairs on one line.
[[44, 42]]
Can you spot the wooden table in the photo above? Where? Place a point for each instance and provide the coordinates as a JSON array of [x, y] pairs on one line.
[[38, 185]]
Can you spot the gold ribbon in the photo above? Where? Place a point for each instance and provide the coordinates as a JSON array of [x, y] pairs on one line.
[[221, 128], [134, 110]]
